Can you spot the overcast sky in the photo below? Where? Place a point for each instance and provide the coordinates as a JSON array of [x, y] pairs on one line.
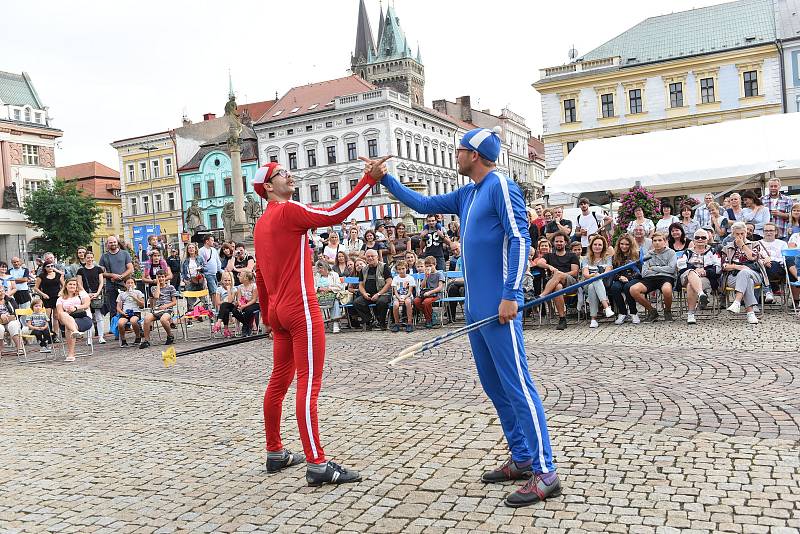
[[115, 69]]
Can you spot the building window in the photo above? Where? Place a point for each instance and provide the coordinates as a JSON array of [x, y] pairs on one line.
[[329, 124], [289, 131], [314, 190], [331, 151], [436, 187], [607, 103], [134, 207], [171, 201], [370, 116], [635, 98], [416, 149], [296, 195], [156, 168], [109, 219], [376, 189], [442, 157], [213, 220], [17, 115], [273, 158], [30, 154], [158, 205], [435, 157], [244, 181], [334, 190], [38, 117], [425, 152], [143, 170], [271, 135], [676, 95], [211, 189], [131, 172], [408, 149], [570, 114], [399, 148], [168, 166], [450, 159], [348, 120], [27, 114], [145, 205], [309, 127], [353, 184], [228, 185], [707, 90], [312, 157], [292, 161], [196, 195], [571, 145], [372, 148], [750, 83], [352, 154]]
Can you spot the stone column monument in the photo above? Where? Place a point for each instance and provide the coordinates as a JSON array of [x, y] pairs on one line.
[[406, 213], [240, 231]]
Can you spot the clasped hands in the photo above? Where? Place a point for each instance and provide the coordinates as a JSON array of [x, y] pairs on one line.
[[376, 167]]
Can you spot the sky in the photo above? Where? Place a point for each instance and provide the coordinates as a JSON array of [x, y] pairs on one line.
[[112, 70]]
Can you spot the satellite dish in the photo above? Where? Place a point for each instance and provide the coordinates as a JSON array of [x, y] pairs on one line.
[[573, 53]]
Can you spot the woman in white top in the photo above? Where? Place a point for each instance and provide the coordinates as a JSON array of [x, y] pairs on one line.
[[327, 284], [666, 219], [332, 248], [353, 243], [646, 224], [72, 308], [596, 262]]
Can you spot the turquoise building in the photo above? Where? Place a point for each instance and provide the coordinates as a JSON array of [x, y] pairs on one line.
[[207, 177]]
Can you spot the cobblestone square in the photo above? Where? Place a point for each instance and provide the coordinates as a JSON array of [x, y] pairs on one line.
[[655, 428]]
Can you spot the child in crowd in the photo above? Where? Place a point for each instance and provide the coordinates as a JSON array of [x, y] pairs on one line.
[[430, 290], [226, 294], [402, 287], [419, 266], [39, 325], [164, 295], [246, 301], [129, 309]]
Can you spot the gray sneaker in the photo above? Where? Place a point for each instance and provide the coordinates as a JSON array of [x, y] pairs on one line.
[[652, 316], [668, 315], [533, 491], [507, 471]]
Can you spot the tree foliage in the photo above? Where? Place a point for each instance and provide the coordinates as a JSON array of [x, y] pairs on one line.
[[636, 197], [66, 216]]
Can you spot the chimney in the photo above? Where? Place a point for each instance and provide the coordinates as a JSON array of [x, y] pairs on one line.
[[466, 108], [440, 106], [209, 116]]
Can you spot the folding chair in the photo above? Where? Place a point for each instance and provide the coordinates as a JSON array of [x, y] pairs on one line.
[[87, 334], [443, 302], [24, 357], [349, 280], [793, 253], [729, 293], [188, 314]]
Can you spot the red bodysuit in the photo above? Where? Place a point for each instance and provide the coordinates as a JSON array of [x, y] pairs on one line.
[[289, 305]]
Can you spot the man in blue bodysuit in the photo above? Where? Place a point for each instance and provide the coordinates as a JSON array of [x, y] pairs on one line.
[[494, 255]]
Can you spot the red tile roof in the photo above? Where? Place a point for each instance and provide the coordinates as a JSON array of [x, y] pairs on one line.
[[314, 97], [90, 169], [256, 109], [535, 149]]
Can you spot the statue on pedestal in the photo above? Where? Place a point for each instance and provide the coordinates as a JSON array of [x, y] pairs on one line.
[[228, 219], [10, 197], [252, 210], [194, 216]]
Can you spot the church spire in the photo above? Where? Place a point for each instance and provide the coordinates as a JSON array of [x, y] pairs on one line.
[[230, 85], [381, 22], [365, 44]]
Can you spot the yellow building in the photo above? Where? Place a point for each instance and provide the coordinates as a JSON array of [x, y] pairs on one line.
[[150, 189], [688, 68], [102, 184]]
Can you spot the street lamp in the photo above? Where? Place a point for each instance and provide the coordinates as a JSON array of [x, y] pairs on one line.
[[150, 178]]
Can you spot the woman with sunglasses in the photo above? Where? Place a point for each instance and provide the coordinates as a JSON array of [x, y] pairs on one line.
[[48, 285], [698, 271], [285, 281]]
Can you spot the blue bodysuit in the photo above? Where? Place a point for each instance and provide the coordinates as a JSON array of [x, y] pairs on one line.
[[494, 254]]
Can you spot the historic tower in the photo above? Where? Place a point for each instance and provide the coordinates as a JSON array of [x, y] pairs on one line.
[[391, 63]]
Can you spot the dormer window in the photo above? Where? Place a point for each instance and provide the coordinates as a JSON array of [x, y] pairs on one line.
[[38, 117], [17, 115], [27, 114]]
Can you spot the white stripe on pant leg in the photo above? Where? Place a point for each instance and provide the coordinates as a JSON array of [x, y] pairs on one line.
[[310, 345], [528, 398]]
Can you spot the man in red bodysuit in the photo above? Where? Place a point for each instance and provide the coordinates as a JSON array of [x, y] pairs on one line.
[[290, 309]]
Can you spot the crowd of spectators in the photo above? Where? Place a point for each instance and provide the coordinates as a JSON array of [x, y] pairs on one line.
[[385, 276]]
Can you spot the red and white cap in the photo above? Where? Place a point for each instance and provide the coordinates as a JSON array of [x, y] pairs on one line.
[[263, 175]]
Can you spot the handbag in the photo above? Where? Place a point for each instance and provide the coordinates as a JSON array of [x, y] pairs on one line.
[[344, 297], [96, 303], [326, 298]]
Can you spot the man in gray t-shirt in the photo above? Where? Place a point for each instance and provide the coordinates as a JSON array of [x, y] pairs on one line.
[[118, 266]]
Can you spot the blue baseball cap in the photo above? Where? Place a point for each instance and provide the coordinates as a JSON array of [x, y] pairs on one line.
[[484, 141]]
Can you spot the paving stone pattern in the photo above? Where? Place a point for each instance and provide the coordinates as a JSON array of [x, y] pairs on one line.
[[662, 428]]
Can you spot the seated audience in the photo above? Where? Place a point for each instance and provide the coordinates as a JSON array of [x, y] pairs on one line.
[[38, 326], [129, 310], [375, 288], [742, 265], [562, 267], [698, 271], [597, 261], [430, 290], [658, 273], [226, 295], [327, 286], [621, 282], [677, 240], [640, 220], [71, 307], [775, 266], [403, 286], [667, 219], [9, 322], [163, 307], [688, 223], [246, 302], [643, 244]]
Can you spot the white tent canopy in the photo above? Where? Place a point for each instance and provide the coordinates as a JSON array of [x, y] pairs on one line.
[[694, 159]]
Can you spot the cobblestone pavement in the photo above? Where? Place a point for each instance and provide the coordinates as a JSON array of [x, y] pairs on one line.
[[656, 428]]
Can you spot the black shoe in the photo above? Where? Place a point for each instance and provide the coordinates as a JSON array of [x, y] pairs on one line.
[[291, 458], [144, 344], [170, 340], [507, 471], [137, 341], [395, 328], [334, 474], [652, 316], [533, 491], [668, 315], [123, 343], [382, 326], [703, 301], [562, 323], [367, 327]]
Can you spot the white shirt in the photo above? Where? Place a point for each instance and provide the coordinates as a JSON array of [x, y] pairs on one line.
[[589, 222], [404, 285], [774, 248], [663, 224]]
